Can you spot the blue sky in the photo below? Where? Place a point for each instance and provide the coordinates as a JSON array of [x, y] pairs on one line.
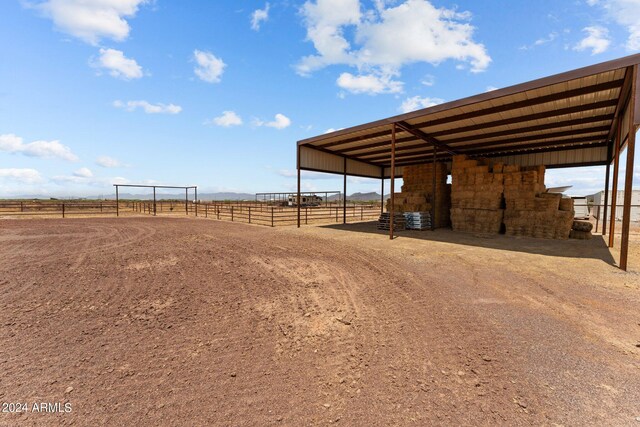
[[216, 93]]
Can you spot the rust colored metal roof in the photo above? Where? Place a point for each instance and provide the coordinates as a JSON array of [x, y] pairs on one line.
[[574, 110]]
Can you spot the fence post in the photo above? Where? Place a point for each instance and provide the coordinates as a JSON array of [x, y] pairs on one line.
[[21, 206], [336, 214], [361, 212], [231, 213], [306, 216], [272, 217], [206, 210], [249, 214], [63, 210]]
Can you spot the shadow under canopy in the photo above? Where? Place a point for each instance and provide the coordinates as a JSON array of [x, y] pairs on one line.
[[596, 248]]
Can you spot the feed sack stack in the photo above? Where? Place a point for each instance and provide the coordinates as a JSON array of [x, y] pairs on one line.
[[529, 210], [416, 195], [476, 195]]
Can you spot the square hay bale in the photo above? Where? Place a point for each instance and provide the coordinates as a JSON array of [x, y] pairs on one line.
[[566, 204], [511, 168]]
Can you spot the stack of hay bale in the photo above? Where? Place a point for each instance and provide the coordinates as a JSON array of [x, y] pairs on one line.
[[417, 192], [485, 195], [530, 211], [476, 195]]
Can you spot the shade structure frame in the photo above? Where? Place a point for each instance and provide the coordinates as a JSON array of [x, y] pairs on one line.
[[565, 120]]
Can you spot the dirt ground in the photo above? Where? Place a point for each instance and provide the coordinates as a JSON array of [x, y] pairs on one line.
[[185, 321]]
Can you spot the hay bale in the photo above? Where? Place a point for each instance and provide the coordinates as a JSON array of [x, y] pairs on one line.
[[566, 204], [582, 226], [580, 235]]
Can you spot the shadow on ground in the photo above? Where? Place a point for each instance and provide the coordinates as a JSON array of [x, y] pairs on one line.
[[595, 248]]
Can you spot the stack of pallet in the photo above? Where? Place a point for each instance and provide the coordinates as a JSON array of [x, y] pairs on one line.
[[417, 220], [417, 192], [476, 195], [530, 211], [399, 222]]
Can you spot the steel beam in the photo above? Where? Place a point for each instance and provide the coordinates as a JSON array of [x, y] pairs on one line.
[[606, 199], [614, 190], [393, 179], [298, 192], [628, 182]]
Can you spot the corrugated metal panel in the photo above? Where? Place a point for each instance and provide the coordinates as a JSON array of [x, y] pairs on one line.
[[320, 160], [625, 122], [557, 158], [362, 169], [399, 169]]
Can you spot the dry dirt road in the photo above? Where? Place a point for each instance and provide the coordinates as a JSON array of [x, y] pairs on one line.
[[166, 321]]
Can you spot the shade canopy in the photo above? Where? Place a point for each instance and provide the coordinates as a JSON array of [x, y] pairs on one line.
[[564, 120]]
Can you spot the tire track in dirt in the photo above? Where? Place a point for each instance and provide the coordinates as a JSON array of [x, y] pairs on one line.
[[211, 323]]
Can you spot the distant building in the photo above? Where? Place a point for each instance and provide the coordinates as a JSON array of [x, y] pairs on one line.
[[597, 199]]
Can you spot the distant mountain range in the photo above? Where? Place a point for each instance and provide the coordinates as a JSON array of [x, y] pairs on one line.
[[359, 197]]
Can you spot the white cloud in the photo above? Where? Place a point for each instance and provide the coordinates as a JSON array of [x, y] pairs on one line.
[[117, 64], [428, 80], [227, 119], [417, 102], [584, 181], [91, 20], [332, 130], [369, 83], [542, 41], [108, 162], [209, 68], [80, 177], [280, 122], [551, 37], [324, 21], [148, 107], [23, 176], [389, 37], [491, 88], [47, 149], [597, 40], [625, 13], [259, 16], [83, 173]]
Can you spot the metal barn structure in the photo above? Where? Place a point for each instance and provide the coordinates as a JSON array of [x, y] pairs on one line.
[[584, 117]]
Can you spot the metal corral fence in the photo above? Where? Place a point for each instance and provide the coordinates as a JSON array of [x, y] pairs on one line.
[[237, 211], [56, 208], [275, 216]]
